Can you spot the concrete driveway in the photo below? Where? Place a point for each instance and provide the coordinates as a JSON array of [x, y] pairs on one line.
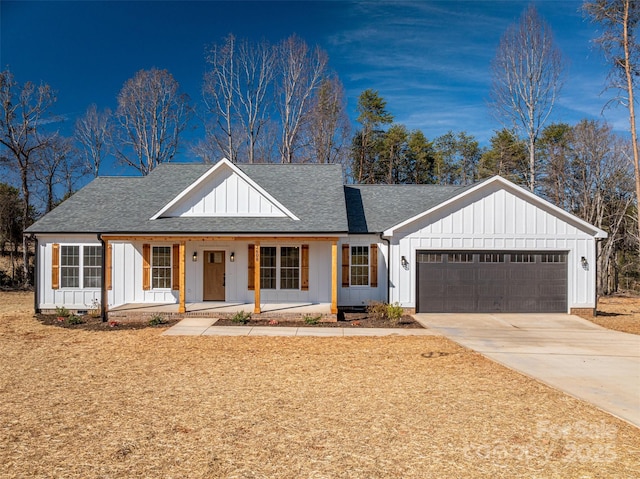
[[591, 363]]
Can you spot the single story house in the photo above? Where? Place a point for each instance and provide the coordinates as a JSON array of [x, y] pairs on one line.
[[260, 234]]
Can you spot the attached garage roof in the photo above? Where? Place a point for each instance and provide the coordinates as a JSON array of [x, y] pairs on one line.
[[376, 208]]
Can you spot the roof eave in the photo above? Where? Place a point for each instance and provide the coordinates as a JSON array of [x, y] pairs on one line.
[[587, 227]]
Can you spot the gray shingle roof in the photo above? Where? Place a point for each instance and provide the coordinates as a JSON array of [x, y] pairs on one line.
[[313, 193], [376, 208]]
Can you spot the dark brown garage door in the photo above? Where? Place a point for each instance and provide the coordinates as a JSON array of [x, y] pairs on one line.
[[491, 281]]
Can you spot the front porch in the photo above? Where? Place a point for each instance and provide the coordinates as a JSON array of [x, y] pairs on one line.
[[220, 309]]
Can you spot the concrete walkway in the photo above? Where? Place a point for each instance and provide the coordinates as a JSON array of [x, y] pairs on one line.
[[569, 353], [207, 327]]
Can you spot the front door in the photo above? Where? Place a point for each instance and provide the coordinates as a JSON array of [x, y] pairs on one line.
[[214, 276]]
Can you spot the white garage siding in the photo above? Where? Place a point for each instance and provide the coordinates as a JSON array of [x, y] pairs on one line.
[[494, 219]]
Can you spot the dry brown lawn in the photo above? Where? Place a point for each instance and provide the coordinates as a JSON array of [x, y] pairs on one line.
[[134, 404], [620, 312]]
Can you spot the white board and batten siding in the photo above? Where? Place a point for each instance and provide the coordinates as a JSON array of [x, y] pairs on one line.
[[225, 194], [359, 296], [127, 275], [71, 298], [494, 219]]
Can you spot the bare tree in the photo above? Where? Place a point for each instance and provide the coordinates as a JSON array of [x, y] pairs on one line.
[[93, 131], [300, 73], [48, 166], [602, 190], [619, 20], [219, 93], [327, 128], [22, 111], [527, 76], [151, 115], [235, 94], [256, 70]]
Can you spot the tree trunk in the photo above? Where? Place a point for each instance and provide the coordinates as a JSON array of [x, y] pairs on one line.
[[632, 114], [25, 225], [532, 163]]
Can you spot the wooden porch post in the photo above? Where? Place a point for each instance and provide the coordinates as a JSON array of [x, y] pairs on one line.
[[256, 277], [182, 308], [334, 277]]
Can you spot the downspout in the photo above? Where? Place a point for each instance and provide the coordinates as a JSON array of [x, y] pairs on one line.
[[36, 275], [103, 279], [388, 265], [597, 248]]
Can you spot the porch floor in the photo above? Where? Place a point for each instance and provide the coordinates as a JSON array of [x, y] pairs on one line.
[[221, 307]]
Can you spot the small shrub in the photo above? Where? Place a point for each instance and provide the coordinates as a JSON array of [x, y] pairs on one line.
[[74, 319], [157, 320], [377, 310], [95, 310], [241, 317], [383, 311], [394, 312], [62, 312], [312, 319]]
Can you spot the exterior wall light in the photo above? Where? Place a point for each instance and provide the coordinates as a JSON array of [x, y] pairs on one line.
[[584, 262], [404, 262], [195, 256], [232, 257]]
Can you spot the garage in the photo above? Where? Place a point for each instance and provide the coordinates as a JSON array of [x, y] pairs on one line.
[[491, 281]]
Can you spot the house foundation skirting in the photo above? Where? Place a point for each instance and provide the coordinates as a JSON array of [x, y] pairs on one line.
[[584, 312], [141, 317]]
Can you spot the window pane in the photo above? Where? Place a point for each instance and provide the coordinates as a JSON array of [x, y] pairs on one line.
[[460, 257], [491, 258], [360, 265], [429, 258], [70, 255], [161, 277], [70, 266], [523, 258], [268, 267], [290, 267], [92, 266], [161, 267], [552, 258]]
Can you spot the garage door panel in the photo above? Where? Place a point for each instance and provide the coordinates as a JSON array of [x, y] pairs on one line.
[[493, 275], [500, 286], [460, 275]]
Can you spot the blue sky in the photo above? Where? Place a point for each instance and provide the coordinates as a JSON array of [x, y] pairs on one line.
[[430, 60]]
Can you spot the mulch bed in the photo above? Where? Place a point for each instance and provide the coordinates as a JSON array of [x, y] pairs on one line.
[[347, 320], [90, 323]]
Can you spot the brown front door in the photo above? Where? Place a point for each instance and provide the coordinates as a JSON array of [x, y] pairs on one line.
[[214, 276]]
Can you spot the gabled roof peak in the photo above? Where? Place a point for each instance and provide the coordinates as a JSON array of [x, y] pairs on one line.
[[267, 204]]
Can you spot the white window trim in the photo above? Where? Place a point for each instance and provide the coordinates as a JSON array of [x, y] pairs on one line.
[[279, 266], [170, 266], [80, 267], [368, 247]]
